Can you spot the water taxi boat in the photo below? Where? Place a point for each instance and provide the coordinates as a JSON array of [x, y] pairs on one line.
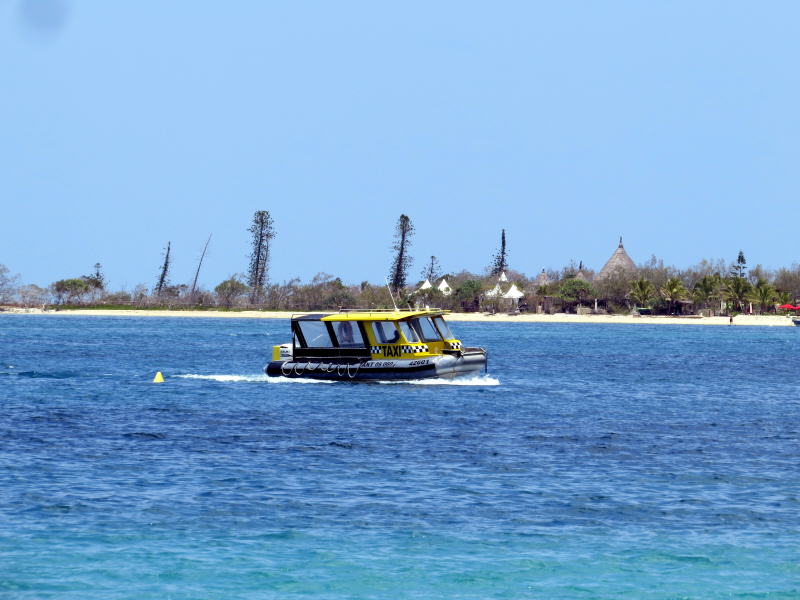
[[374, 345]]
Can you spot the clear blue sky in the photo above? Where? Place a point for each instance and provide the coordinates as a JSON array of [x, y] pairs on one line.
[[126, 124]]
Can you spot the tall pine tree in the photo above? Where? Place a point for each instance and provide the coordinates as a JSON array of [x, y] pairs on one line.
[[740, 268], [500, 261], [402, 259], [163, 277], [432, 270], [262, 232]]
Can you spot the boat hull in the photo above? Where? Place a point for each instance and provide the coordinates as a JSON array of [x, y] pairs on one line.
[[466, 362]]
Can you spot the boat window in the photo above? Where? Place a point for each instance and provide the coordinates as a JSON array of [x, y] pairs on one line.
[[408, 331], [348, 334], [385, 332], [316, 334], [426, 330], [443, 328]]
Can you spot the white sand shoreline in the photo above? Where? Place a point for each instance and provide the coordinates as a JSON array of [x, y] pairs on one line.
[[747, 320]]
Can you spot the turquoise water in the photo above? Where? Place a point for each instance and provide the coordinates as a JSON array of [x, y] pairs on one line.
[[591, 462]]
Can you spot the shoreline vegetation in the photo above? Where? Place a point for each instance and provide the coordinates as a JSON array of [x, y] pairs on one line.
[[713, 291], [474, 317]]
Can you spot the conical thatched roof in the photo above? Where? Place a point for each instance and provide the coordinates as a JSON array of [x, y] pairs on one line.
[[619, 264], [542, 279], [581, 274]]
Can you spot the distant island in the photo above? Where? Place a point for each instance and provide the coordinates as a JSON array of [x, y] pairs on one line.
[[711, 288]]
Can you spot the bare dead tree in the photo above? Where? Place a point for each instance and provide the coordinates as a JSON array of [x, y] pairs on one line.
[[199, 264]]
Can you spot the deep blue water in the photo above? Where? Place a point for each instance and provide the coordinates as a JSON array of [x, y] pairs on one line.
[[594, 461]]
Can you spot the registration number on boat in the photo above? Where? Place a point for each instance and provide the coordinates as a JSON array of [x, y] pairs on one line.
[[379, 363]]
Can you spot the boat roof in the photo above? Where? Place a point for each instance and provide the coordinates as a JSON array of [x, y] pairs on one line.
[[372, 315]]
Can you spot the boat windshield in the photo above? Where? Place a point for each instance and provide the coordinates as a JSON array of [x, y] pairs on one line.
[[426, 330], [443, 328], [409, 333], [316, 334]]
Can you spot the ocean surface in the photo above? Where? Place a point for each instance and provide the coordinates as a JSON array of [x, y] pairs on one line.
[[592, 461]]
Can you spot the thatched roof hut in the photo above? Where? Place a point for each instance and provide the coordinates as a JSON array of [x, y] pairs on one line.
[[620, 264], [542, 279]]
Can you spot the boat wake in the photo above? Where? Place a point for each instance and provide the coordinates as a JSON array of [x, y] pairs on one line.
[[482, 380], [250, 379], [478, 380]]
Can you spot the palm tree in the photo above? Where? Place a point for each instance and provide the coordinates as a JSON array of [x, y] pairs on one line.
[[642, 292], [763, 294], [735, 290], [705, 290], [673, 291], [783, 297]]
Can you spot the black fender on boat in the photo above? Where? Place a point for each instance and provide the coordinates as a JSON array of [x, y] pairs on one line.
[[447, 365]]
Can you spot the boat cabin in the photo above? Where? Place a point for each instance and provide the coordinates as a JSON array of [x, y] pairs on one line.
[[372, 335]]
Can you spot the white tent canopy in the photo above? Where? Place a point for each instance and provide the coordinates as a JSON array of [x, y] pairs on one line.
[[445, 288], [502, 277], [495, 292], [513, 292], [426, 285]]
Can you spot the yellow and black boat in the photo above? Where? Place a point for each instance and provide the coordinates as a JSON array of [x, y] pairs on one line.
[[374, 345]]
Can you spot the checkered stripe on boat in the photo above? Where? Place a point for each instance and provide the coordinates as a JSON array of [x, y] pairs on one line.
[[405, 349]]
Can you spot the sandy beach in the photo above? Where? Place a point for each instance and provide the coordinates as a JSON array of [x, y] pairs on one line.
[[741, 320]]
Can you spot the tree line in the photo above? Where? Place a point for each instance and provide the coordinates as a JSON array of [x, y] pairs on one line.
[[711, 287], [715, 287]]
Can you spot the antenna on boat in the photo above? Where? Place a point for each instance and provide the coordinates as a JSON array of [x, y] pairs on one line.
[[388, 287]]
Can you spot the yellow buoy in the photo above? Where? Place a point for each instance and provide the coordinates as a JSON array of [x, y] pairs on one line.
[[159, 378]]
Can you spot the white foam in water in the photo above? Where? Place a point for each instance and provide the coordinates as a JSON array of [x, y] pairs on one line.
[[225, 378], [481, 380], [250, 379]]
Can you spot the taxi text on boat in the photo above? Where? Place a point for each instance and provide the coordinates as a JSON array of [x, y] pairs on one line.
[[374, 345]]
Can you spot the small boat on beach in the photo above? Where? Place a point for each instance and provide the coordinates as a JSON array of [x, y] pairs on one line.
[[363, 345], [796, 321]]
